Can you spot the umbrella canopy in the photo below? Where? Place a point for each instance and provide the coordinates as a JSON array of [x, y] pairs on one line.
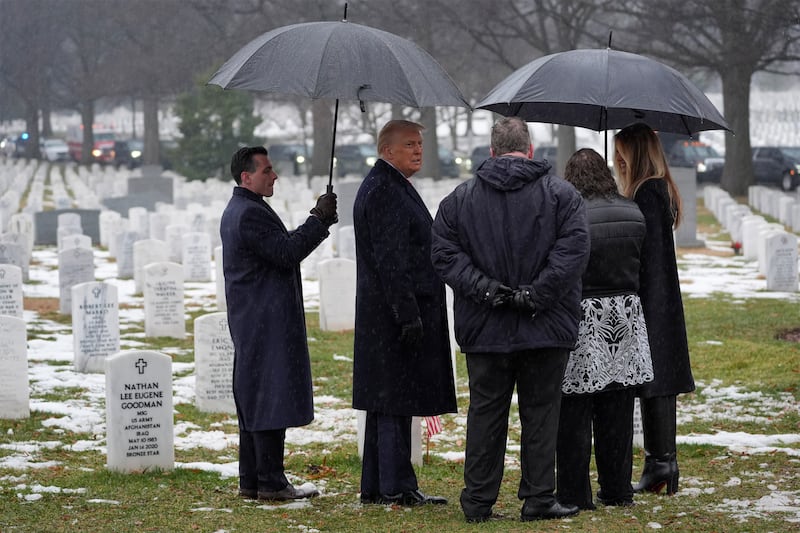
[[604, 89], [340, 60]]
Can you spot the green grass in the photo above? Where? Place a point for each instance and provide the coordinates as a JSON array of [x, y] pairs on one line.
[[733, 343]]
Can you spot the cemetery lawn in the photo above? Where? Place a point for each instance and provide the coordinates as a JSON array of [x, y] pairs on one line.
[[734, 344], [739, 443]]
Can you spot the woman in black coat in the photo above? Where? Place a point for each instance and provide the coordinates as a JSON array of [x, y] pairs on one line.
[[645, 178], [612, 355], [402, 363]]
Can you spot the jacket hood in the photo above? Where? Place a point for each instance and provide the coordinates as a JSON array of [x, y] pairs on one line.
[[508, 173]]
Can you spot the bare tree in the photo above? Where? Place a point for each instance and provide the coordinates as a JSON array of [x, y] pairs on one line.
[[515, 32], [30, 36], [732, 38]]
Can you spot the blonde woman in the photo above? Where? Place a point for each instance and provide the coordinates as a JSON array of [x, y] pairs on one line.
[[645, 178]]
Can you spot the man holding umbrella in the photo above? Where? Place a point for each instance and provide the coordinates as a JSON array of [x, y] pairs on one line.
[[271, 369], [402, 361], [513, 243]]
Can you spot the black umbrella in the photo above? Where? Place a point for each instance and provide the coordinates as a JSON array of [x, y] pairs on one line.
[[604, 89], [340, 60]]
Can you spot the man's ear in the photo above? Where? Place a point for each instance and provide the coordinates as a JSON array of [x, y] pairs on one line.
[[530, 151], [491, 152]]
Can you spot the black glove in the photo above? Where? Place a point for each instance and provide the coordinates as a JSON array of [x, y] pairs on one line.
[[522, 299], [502, 296], [325, 210], [411, 333]]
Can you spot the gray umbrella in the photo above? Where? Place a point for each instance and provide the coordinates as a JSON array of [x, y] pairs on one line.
[[340, 60], [604, 89]]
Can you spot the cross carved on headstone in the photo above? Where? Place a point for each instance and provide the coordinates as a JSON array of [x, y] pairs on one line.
[[141, 364]]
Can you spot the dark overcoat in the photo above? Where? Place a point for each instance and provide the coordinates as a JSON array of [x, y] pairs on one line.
[[514, 223], [395, 284], [263, 288], [660, 292]]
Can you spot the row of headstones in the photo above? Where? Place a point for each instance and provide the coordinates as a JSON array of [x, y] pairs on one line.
[[770, 244], [138, 388]]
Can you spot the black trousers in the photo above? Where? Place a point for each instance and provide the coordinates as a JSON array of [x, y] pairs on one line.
[[610, 415], [659, 424], [386, 464], [537, 375], [261, 460]]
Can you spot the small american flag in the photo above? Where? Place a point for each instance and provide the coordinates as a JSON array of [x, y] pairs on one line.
[[433, 425]]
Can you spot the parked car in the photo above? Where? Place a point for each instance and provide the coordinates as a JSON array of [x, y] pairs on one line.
[[355, 159], [128, 153], [448, 166], [683, 151], [54, 150], [546, 152], [290, 159], [777, 165], [478, 156]]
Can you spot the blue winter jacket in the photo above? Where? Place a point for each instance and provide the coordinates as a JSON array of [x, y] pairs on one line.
[[517, 225]]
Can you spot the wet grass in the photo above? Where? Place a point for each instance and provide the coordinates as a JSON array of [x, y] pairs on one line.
[[734, 343]]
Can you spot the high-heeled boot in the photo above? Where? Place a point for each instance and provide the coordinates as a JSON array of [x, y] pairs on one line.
[[660, 472], [661, 464]]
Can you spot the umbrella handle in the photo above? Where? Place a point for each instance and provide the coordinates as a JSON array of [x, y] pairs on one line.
[[329, 189]]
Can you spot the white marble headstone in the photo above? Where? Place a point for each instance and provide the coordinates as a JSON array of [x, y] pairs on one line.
[[174, 236], [95, 325], [76, 240], [196, 256], [781, 257], [11, 303], [139, 419], [147, 251], [124, 249], [74, 266], [213, 362], [163, 301], [14, 389], [14, 254], [222, 302], [346, 242], [337, 294], [108, 222]]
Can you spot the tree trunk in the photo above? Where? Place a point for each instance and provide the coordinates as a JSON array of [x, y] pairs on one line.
[[32, 125], [151, 154], [87, 119], [566, 147], [322, 118], [737, 174], [430, 144]]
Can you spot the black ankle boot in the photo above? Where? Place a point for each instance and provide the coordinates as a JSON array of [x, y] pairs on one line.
[[659, 472]]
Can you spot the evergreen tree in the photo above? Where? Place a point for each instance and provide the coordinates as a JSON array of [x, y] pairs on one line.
[[214, 124]]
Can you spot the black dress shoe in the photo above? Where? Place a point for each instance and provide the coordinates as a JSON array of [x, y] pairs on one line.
[[289, 492], [625, 501], [411, 498], [491, 517], [546, 512], [250, 494], [369, 499]]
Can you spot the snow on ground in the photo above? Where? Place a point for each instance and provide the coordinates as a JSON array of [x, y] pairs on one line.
[[701, 276]]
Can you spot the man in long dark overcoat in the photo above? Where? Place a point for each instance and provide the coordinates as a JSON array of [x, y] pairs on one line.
[[263, 288], [402, 360]]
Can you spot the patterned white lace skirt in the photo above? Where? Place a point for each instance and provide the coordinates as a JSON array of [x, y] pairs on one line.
[[612, 346]]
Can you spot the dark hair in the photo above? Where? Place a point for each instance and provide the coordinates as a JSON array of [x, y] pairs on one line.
[[510, 134], [242, 161], [588, 172]]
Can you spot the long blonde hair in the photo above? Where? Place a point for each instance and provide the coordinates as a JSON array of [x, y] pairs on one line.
[[644, 158]]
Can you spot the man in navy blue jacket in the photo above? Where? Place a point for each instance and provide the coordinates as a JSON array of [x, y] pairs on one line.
[[513, 243], [402, 360], [263, 288]]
